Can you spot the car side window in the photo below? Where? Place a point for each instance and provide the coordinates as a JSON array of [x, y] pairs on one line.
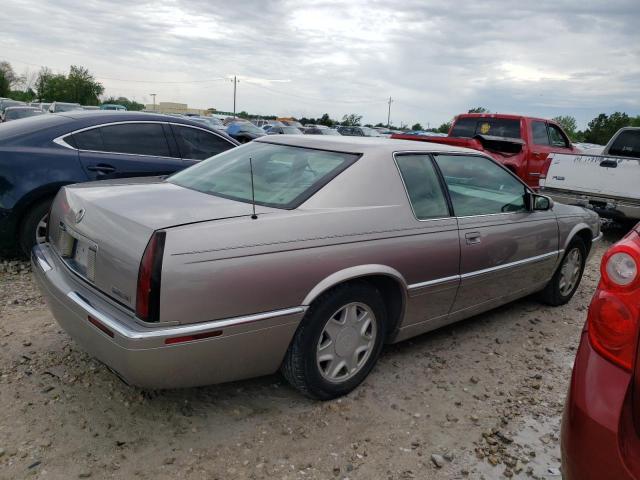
[[196, 144], [136, 139], [423, 187], [540, 135], [478, 186], [557, 137], [88, 140]]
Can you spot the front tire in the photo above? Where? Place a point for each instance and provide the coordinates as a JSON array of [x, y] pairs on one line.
[[567, 278], [33, 227], [337, 343]]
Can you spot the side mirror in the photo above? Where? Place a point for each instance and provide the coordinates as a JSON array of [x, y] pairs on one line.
[[542, 202]]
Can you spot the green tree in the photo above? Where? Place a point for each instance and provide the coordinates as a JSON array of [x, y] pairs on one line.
[[351, 120], [417, 126], [601, 129], [568, 124], [5, 86], [326, 120], [444, 128], [478, 110], [78, 86]]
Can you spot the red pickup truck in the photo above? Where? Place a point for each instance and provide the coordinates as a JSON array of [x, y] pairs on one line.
[[520, 143]]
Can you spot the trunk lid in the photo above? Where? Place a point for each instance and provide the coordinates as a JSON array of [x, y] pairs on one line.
[[101, 229]]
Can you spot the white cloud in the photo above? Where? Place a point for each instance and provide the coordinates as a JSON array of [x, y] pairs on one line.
[[435, 58]]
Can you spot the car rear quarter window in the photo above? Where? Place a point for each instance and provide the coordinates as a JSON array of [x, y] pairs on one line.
[[135, 138], [423, 187], [539, 131], [478, 186], [196, 144], [87, 140]]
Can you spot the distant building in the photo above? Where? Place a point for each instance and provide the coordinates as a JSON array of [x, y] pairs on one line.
[[173, 107]]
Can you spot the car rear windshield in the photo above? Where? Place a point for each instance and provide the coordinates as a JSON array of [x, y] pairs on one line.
[[283, 176], [627, 144], [469, 127]]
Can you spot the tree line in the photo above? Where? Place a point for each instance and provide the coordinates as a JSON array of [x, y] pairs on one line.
[[76, 86]]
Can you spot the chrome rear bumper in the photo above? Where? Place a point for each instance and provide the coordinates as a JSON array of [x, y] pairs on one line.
[[148, 357]]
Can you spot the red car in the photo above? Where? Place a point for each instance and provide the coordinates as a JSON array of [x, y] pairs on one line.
[[601, 425]]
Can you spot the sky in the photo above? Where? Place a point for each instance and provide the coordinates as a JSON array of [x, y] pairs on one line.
[[435, 59]]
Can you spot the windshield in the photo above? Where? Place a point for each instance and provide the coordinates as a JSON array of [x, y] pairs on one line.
[[283, 176], [67, 107], [249, 127], [291, 131], [370, 132], [469, 127], [328, 131], [21, 113]]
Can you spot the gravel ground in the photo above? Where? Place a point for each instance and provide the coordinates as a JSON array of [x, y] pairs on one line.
[[480, 399]]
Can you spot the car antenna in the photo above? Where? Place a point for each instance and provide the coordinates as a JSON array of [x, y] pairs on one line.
[[253, 191]]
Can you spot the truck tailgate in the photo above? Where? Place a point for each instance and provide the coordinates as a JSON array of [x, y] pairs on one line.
[[607, 176]]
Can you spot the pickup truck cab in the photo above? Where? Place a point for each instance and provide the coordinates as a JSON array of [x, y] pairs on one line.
[[608, 181], [522, 144]]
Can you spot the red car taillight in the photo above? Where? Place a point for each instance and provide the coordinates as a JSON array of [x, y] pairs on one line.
[[615, 309], [149, 274]]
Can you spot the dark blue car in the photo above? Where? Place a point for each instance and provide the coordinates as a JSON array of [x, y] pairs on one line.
[[39, 155]]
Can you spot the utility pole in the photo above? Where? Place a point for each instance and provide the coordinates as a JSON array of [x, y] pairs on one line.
[[154, 101], [389, 113], [235, 83]]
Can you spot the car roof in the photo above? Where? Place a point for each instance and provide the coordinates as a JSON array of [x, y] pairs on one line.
[[348, 144]]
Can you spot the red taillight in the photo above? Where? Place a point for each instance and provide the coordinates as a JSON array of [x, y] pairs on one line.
[[148, 291], [614, 313], [613, 327]]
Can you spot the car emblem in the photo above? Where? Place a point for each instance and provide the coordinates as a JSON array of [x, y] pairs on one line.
[[79, 215]]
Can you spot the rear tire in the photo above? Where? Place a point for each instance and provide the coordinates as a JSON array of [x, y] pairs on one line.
[[33, 226], [337, 343], [567, 278]]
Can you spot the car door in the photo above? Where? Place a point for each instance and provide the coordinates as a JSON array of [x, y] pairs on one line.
[[505, 247], [127, 149], [435, 253], [546, 138], [196, 144]]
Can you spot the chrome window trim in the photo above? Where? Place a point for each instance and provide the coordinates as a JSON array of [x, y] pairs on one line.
[[128, 333], [60, 139], [517, 263]]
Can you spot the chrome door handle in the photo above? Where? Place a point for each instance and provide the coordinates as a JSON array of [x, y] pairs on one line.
[[472, 238]]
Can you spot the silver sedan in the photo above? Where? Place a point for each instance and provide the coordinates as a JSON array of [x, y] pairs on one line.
[[299, 253]]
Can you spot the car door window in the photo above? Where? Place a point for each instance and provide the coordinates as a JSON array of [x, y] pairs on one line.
[[423, 187], [557, 137], [478, 186], [196, 144], [540, 135], [136, 139]]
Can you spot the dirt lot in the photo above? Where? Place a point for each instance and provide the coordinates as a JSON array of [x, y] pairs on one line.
[[479, 399]]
